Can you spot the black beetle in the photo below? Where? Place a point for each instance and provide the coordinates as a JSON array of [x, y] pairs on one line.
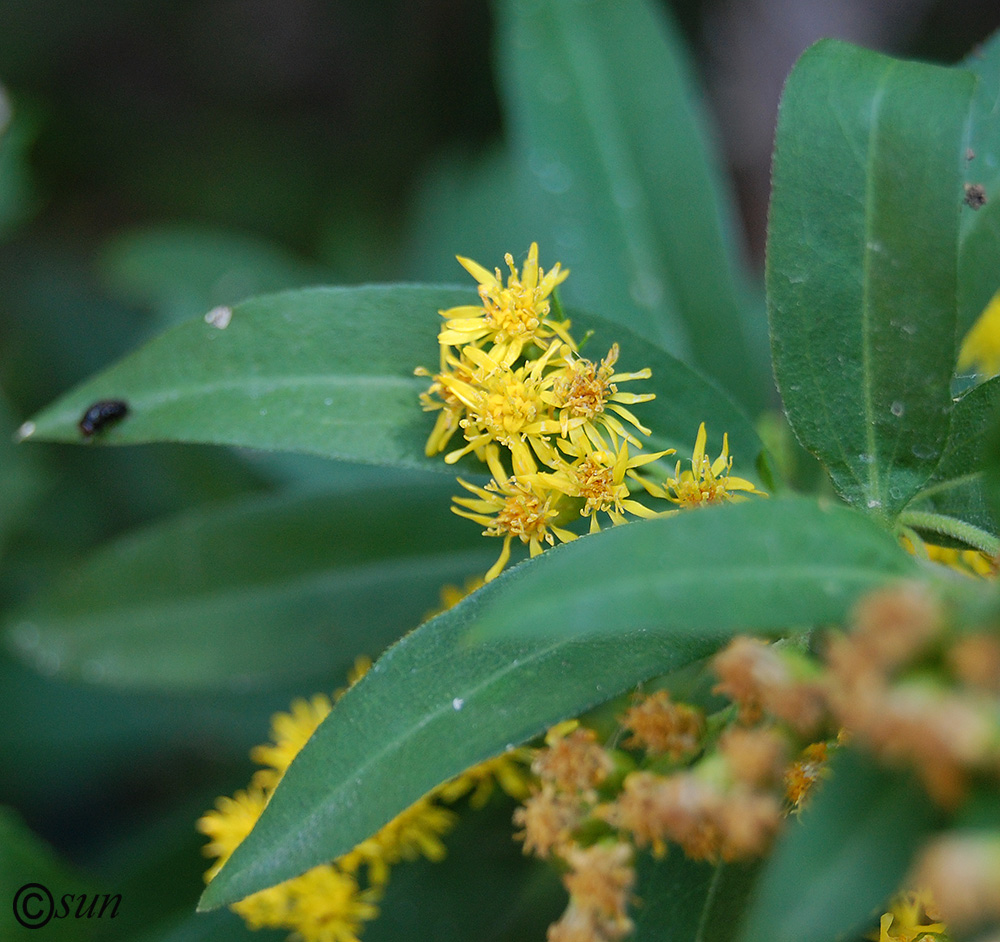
[[102, 413]]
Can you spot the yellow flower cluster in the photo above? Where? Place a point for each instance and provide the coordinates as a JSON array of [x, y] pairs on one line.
[[553, 427], [333, 901], [909, 920], [980, 350], [971, 562]]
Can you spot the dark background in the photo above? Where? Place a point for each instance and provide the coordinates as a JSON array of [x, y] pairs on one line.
[[311, 122]]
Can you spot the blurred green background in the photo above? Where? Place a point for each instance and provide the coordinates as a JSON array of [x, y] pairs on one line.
[[165, 156]]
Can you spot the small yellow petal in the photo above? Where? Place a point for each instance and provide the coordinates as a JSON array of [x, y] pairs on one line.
[[484, 277], [698, 455]]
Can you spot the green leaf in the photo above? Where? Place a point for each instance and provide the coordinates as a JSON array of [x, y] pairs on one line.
[[221, 926], [689, 901], [846, 856], [26, 859], [861, 269], [763, 565], [261, 592], [183, 271], [991, 465], [455, 194], [594, 618], [60, 740], [979, 255], [330, 371], [622, 180], [327, 371], [955, 490], [20, 124]]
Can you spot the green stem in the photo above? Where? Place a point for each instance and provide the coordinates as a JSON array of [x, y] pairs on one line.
[[916, 541], [949, 526]]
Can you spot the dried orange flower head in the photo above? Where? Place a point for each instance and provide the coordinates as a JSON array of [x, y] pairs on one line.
[[662, 727], [961, 873], [573, 762], [755, 756], [892, 625]]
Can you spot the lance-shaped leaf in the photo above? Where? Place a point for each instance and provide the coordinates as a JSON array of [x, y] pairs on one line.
[[953, 506], [330, 371], [991, 465], [260, 592], [611, 141], [845, 857], [979, 258], [182, 271], [19, 126], [689, 901], [327, 371], [594, 618], [862, 262]]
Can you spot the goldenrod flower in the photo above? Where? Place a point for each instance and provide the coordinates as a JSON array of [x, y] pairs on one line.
[[907, 918], [325, 905], [438, 397], [708, 482], [599, 478], [958, 872], [414, 832], [707, 819], [511, 316], [231, 821], [805, 772], [509, 770], [511, 509], [547, 818], [589, 391], [289, 732], [663, 727], [509, 407], [599, 883], [573, 760], [981, 348], [971, 562]]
